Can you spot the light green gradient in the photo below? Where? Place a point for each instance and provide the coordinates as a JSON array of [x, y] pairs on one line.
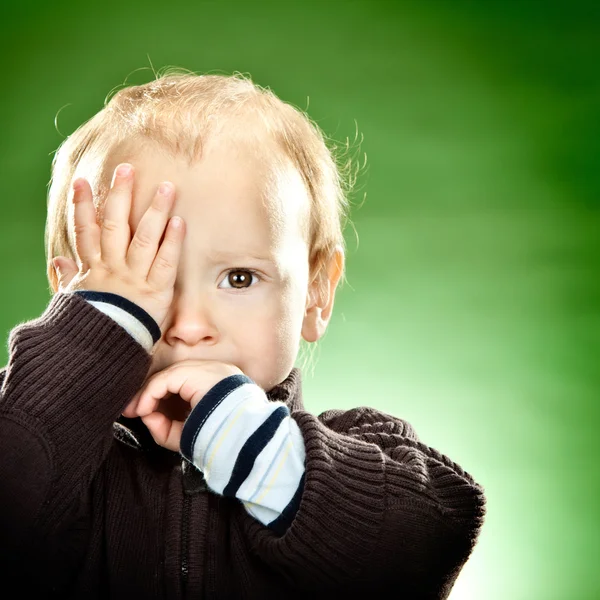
[[473, 304]]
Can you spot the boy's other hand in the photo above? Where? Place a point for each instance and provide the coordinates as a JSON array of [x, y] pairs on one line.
[[190, 380], [109, 261]]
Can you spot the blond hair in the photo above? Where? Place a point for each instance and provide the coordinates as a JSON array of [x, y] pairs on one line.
[[177, 111]]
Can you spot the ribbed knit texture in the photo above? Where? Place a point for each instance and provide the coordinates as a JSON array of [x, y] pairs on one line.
[[57, 385], [94, 509]]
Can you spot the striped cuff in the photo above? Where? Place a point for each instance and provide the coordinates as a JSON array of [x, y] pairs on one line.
[[248, 448], [133, 318]]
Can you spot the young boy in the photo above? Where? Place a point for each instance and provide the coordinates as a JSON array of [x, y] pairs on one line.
[[153, 437]]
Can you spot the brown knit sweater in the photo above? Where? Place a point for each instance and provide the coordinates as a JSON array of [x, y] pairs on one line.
[[91, 507]]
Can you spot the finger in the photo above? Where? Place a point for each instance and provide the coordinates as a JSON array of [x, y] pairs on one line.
[[164, 268], [148, 402], [87, 232], [158, 386], [115, 223], [131, 409], [166, 432], [150, 229]]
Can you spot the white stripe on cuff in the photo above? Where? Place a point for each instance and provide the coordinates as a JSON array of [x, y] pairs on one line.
[[278, 468], [126, 320]]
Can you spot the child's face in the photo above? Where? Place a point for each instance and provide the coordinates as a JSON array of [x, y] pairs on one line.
[[221, 310]]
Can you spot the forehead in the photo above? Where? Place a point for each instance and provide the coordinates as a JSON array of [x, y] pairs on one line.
[[238, 190]]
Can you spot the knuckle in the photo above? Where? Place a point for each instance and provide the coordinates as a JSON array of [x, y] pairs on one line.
[[163, 263], [159, 205], [80, 228], [110, 225], [110, 270], [169, 240], [121, 185], [171, 243], [141, 240]]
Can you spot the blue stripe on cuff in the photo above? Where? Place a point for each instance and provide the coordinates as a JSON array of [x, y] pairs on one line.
[[205, 408], [254, 445], [282, 523], [133, 309]]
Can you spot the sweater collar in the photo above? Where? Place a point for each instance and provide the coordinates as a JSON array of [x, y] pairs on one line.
[[134, 433], [289, 391]]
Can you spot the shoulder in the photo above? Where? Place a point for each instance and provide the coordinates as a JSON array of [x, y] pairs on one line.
[[365, 419]]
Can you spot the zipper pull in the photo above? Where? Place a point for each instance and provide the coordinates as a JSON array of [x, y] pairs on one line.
[[193, 478]]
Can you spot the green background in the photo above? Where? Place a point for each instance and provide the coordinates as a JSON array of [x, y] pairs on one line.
[[472, 308]]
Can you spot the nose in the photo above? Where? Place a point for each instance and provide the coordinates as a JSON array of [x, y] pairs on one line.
[[190, 322]]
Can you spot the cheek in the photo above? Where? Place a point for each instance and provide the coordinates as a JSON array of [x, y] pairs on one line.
[[277, 310], [268, 336], [270, 324], [288, 312]]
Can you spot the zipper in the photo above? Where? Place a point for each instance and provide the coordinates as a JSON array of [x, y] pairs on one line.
[[193, 483], [184, 544]]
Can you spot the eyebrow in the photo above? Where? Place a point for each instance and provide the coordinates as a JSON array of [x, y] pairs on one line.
[[217, 257]]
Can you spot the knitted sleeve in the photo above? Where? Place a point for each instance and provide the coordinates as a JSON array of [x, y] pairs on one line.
[[70, 374], [380, 510]]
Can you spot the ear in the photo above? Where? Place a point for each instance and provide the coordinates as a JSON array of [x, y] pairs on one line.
[[63, 271], [321, 293]]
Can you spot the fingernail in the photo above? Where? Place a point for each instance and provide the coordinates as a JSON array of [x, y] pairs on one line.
[[165, 188], [124, 170]]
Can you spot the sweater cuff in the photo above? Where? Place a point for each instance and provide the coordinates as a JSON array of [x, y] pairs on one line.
[[133, 318], [248, 448]]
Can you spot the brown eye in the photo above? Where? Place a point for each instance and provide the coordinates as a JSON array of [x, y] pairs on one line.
[[239, 279]]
